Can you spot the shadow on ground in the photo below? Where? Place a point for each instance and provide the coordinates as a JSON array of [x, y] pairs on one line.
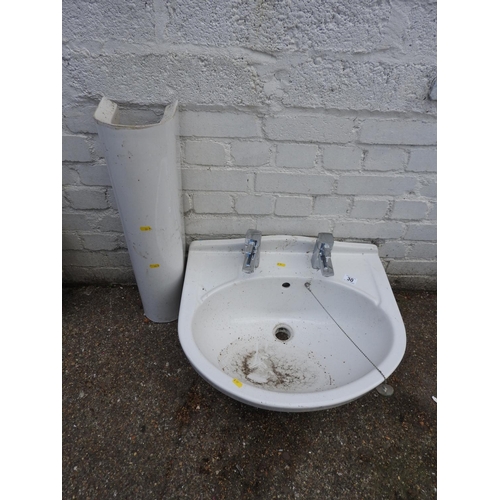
[[139, 423]]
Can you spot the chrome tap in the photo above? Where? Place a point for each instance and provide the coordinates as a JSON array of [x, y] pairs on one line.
[[251, 251], [322, 254]]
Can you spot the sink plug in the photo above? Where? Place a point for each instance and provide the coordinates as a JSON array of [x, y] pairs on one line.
[[385, 389]]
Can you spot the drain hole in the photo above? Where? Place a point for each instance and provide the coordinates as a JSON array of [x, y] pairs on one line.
[[285, 285], [282, 333]]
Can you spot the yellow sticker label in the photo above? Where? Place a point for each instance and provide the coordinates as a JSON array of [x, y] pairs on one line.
[[145, 228], [237, 383], [281, 264], [152, 266]]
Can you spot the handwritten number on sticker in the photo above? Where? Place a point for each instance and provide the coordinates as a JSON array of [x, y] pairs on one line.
[[350, 279]]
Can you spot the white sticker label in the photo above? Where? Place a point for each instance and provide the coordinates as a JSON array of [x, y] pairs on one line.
[[350, 279]]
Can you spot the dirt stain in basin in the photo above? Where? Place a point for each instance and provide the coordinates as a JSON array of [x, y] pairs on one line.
[[270, 373], [274, 366]]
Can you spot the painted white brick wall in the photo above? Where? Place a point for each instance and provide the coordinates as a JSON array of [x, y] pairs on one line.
[[296, 155], [254, 204], [204, 153], [309, 128], [75, 148], [250, 153], [288, 125], [342, 157], [384, 158], [376, 131], [369, 209], [204, 124], [284, 182], [212, 203], [209, 179], [290, 206], [369, 184]]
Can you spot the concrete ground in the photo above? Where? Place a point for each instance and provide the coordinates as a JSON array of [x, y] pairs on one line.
[[139, 423]]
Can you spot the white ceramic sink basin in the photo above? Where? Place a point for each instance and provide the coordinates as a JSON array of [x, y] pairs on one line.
[[284, 337]]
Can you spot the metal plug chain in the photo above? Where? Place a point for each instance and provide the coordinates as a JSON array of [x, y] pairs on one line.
[[308, 286]]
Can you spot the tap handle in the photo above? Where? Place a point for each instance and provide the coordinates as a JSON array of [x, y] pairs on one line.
[[326, 238], [253, 236]]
